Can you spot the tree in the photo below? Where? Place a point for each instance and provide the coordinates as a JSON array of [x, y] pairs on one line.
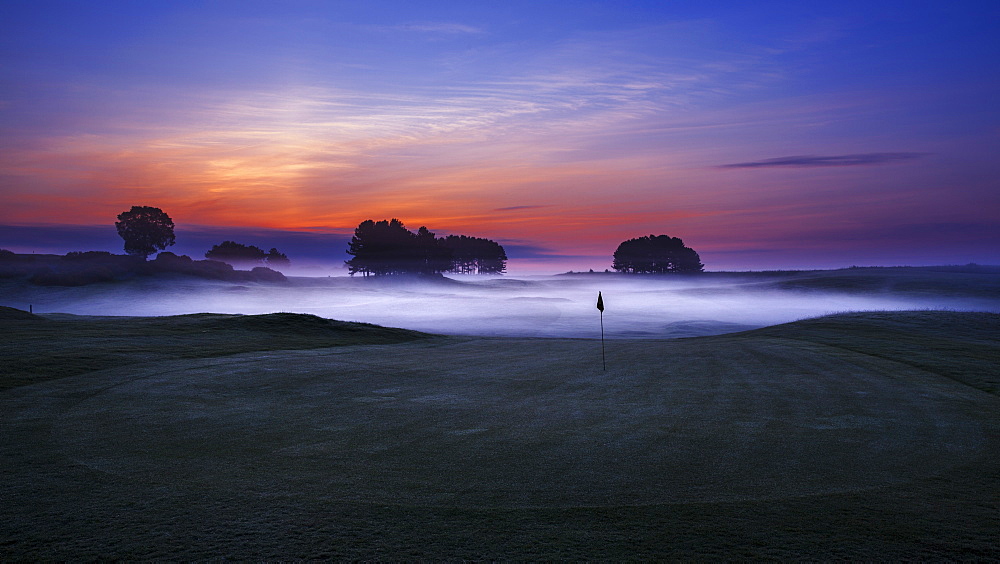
[[382, 248], [656, 254], [474, 255], [433, 257], [145, 229], [234, 253], [386, 247], [275, 259]]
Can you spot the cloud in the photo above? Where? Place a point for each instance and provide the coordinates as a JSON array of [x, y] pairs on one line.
[[528, 251], [860, 159], [514, 208], [440, 27]]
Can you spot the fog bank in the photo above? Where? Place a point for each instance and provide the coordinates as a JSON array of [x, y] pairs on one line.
[[552, 306]]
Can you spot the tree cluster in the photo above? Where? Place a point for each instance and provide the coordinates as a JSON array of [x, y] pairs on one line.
[[475, 255], [234, 253], [146, 229], [656, 254], [80, 268], [387, 247]]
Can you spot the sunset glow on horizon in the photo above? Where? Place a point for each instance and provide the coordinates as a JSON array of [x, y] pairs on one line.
[[771, 135]]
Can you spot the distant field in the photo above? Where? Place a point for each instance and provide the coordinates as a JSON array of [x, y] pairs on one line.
[[858, 436], [972, 281]]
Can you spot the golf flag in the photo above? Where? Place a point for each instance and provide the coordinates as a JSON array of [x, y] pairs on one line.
[[600, 302]]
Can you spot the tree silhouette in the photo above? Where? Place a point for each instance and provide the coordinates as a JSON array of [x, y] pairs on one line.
[[145, 229], [474, 255], [432, 256], [276, 259], [383, 247], [234, 253], [656, 254]]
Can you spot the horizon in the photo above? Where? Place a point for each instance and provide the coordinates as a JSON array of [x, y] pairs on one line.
[[321, 266], [785, 136]]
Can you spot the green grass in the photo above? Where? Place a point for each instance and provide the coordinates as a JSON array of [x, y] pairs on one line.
[[863, 436]]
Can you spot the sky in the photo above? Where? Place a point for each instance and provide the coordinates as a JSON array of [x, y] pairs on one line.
[[766, 135]]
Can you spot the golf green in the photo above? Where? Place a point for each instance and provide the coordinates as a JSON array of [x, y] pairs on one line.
[[474, 429]]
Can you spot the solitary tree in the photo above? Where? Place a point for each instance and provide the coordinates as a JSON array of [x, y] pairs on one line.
[[145, 230], [656, 254]]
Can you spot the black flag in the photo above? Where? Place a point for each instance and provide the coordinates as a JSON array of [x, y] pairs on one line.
[[600, 302]]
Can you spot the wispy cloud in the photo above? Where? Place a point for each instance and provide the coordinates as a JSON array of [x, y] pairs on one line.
[[440, 27], [514, 208], [799, 161]]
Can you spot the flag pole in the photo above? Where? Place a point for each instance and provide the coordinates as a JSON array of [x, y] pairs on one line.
[[600, 307], [604, 360]]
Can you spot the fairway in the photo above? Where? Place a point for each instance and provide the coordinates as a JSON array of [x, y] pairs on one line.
[[451, 435]]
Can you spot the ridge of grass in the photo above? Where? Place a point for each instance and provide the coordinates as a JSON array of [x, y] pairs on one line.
[[68, 345], [8, 313], [962, 346]]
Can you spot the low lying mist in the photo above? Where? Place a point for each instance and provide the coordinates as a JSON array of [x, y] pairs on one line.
[[549, 306]]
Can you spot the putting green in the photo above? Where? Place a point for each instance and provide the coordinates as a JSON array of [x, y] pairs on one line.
[[519, 423]]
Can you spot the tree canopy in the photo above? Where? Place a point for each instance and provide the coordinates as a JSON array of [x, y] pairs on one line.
[[145, 230], [656, 254], [387, 247], [475, 255], [234, 253], [276, 259]]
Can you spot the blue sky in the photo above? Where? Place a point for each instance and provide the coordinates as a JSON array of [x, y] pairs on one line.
[[764, 134]]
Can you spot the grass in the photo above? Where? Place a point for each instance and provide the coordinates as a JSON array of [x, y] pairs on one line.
[[39, 348], [851, 437], [962, 346]]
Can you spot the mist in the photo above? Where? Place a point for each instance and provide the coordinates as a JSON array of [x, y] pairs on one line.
[[531, 306]]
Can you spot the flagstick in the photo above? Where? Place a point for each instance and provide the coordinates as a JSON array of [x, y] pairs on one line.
[[604, 360], [600, 308]]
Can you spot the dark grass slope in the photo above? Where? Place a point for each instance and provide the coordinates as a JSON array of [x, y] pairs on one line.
[[963, 346], [12, 314], [40, 348]]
